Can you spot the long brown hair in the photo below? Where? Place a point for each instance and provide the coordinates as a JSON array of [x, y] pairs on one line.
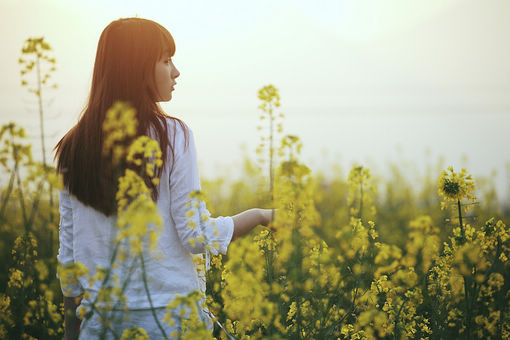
[[127, 53]]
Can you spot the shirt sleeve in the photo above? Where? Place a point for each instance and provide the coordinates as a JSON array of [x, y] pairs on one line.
[[197, 230], [65, 251]]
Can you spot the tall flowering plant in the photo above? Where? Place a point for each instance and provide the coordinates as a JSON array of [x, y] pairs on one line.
[[138, 225]]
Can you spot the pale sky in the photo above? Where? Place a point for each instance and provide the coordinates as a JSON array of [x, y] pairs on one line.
[[360, 81]]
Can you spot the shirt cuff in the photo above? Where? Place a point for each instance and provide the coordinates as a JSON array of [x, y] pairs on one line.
[[72, 289], [228, 223]]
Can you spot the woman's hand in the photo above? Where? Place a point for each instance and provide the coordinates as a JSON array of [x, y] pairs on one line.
[[267, 216]]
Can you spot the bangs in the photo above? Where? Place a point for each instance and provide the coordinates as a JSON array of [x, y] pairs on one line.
[[166, 44]]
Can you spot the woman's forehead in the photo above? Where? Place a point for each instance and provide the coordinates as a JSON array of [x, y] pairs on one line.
[[167, 53]]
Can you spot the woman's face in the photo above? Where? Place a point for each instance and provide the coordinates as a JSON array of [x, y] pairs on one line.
[[165, 73]]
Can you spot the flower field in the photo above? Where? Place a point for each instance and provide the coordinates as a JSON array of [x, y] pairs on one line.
[[352, 256]]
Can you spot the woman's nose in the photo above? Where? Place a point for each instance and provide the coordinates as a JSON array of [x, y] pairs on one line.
[[176, 73]]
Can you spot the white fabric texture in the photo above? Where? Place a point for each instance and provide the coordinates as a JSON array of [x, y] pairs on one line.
[[94, 328], [85, 235]]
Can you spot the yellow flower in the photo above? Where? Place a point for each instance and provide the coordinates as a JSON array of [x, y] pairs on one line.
[[145, 150], [15, 278], [134, 333], [496, 280], [119, 125], [5, 302], [292, 311], [454, 186]]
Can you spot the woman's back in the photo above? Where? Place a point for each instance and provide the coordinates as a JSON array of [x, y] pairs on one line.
[[169, 269]]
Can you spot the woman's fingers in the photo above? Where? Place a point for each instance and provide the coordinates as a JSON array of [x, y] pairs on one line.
[[268, 217]]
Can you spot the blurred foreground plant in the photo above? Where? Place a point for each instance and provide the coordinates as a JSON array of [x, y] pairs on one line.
[[138, 226], [29, 306]]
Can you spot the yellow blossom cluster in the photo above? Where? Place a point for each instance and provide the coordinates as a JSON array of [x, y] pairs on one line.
[[35, 56], [14, 148], [134, 333], [453, 186], [187, 314], [144, 151], [70, 274], [119, 126], [299, 282], [138, 216], [270, 100], [29, 307], [361, 193]]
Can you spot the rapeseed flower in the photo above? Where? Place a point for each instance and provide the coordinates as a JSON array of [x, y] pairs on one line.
[[119, 126], [454, 186], [134, 333]]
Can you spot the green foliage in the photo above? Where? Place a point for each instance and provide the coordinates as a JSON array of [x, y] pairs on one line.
[[30, 294], [342, 262]]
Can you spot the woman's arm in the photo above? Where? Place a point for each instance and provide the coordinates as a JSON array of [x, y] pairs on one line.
[[249, 219], [72, 323], [186, 212], [73, 292]]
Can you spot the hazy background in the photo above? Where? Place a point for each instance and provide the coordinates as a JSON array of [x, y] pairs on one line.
[[361, 81]]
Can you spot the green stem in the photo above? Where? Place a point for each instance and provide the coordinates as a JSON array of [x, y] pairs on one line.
[[463, 234], [21, 197], [145, 285], [23, 288], [269, 265], [396, 333], [467, 317], [125, 283], [52, 216], [467, 281], [39, 96], [271, 172], [8, 192], [360, 199], [103, 283], [35, 203]]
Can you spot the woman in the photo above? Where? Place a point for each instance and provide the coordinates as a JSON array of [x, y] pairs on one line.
[[134, 64]]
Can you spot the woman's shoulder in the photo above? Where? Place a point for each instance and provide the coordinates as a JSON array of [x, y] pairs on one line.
[[177, 125], [179, 132]]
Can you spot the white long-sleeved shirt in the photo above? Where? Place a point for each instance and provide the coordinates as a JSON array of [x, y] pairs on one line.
[[86, 235]]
